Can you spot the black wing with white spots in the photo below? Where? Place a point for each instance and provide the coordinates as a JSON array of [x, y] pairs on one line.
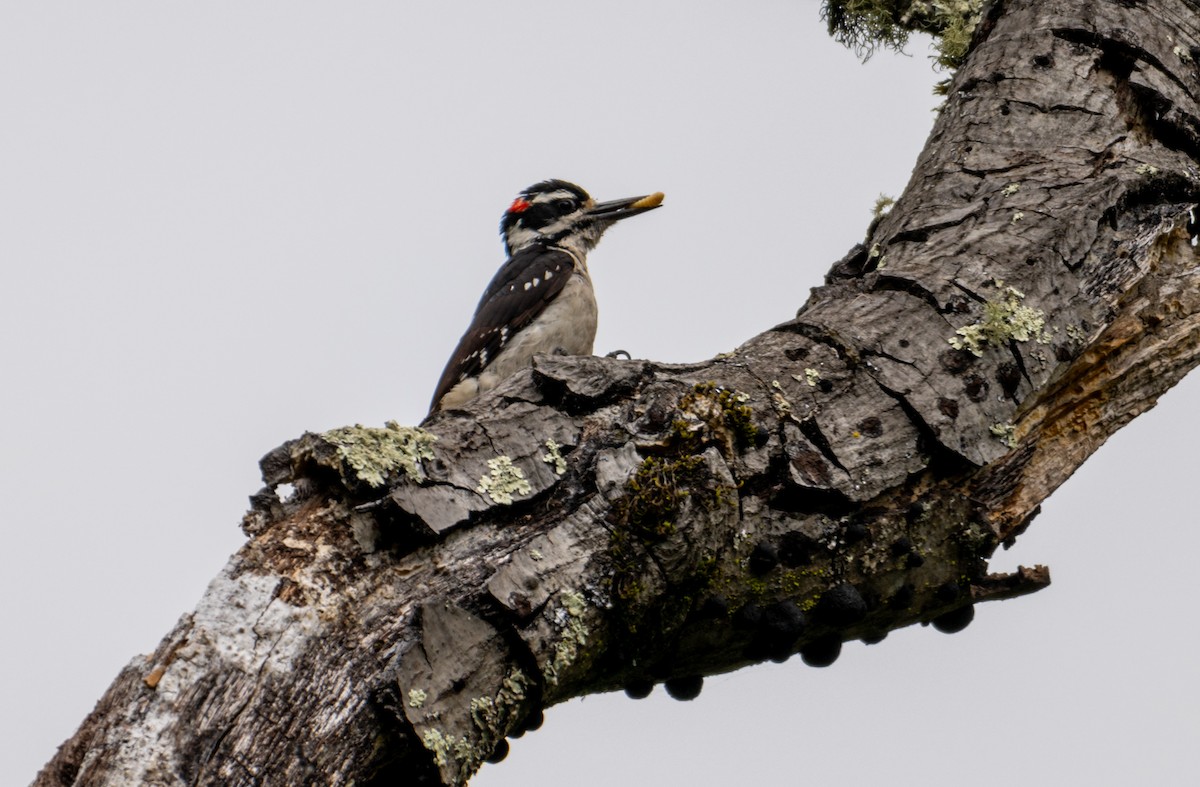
[[517, 294]]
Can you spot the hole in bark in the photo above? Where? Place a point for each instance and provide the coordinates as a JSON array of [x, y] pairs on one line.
[[796, 549], [956, 361], [1009, 377], [1042, 61], [870, 426], [975, 387], [948, 407]]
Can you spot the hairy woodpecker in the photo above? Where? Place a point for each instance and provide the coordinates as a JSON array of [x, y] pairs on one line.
[[540, 302]]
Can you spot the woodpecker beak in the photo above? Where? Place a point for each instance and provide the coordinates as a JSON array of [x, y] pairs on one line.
[[624, 208]]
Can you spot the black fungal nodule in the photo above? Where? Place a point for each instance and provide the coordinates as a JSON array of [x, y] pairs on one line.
[[685, 688], [947, 592], [748, 617], [783, 619], [534, 720], [855, 532], [499, 753], [902, 546], [955, 620], [639, 688], [713, 608], [796, 549], [903, 598], [841, 605], [821, 652], [782, 624], [764, 558]]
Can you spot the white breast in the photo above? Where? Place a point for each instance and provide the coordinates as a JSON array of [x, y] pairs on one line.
[[567, 326]]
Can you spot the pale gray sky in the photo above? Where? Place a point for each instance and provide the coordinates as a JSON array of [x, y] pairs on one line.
[[223, 224]]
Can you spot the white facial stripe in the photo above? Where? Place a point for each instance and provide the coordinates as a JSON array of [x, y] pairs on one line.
[[551, 196]]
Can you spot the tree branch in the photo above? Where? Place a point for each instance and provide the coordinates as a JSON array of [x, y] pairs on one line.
[[597, 524]]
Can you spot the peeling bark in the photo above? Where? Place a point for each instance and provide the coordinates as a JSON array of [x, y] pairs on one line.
[[597, 524]]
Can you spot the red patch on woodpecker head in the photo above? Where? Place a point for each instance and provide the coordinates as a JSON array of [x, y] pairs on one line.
[[520, 205]]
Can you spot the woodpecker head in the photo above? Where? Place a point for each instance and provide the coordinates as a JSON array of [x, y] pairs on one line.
[[558, 213]]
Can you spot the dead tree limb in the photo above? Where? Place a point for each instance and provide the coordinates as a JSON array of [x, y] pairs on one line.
[[598, 524]]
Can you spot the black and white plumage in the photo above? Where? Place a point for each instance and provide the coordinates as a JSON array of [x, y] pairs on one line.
[[541, 300]]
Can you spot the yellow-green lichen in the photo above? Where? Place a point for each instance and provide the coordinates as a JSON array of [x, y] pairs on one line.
[[447, 747], [1181, 53], [417, 697], [553, 456], [574, 635], [1010, 189], [1005, 319], [958, 20], [883, 205], [1017, 216], [492, 715], [782, 405], [866, 25], [1146, 169], [811, 376], [504, 481], [1005, 433], [374, 454]]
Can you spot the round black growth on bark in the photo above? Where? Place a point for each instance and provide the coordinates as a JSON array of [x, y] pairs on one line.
[[822, 652], [685, 688], [639, 689], [956, 620], [841, 605]]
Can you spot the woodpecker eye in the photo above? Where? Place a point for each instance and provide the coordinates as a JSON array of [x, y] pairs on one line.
[[565, 206]]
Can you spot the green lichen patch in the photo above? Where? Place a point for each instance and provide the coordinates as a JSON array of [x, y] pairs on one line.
[[417, 697], [574, 635], [449, 747], [374, 454], [553, 456], [1004, 319], [494, 715], [1005, 433], [867, 25], [883, 206], [461, 755], [503, 481], [957, 20]]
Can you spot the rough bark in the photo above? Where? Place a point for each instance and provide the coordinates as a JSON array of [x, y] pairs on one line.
[[597, 524]]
